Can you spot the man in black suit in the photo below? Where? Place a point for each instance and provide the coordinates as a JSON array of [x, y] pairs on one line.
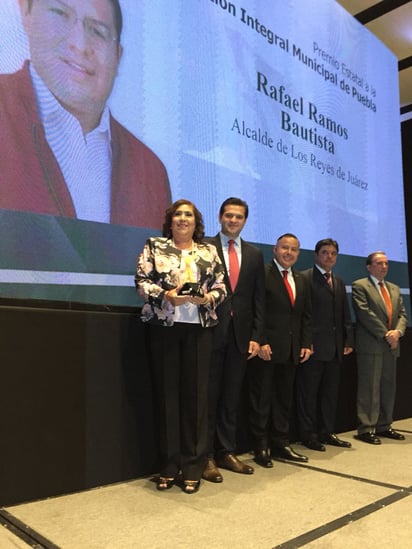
[[236, 337], [317, 380], [380, 323], [286, 342]]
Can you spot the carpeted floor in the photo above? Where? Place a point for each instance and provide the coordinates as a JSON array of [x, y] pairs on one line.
[[355, 498]]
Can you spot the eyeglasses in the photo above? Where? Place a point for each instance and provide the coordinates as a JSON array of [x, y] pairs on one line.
[[61, 18]]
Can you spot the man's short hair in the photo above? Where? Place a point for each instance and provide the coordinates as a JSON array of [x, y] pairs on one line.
[[288, 235], [118, 18], [371, 257], [233, 201], [326, 242]]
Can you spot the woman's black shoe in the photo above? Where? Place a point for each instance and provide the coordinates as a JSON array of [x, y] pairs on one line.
[[191, 486], [164, 483]]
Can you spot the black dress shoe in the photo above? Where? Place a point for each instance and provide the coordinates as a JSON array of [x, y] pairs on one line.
[[391, 433], [262, 458], [211, 472], [232, 463], [333, 440], [313, 444], [370, 438], [286, 452]]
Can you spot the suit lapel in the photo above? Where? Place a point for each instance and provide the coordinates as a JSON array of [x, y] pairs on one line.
[[395, 310], [244, 261], [277, 278], [279, 286], [298, 285], [321, 280], [376, 296], [218, 243]]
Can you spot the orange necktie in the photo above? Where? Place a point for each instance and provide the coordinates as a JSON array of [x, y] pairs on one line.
[[233, 265], [288, 287], [388, 302]]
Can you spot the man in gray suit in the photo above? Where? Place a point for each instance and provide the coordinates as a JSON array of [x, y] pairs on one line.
[[380, 323]]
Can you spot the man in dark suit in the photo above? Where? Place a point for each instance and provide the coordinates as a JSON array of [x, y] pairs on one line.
[[317, 380], [286, 342], [380, 323], [236, 337]]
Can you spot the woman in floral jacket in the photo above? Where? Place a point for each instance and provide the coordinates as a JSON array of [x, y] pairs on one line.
[[181, 337]]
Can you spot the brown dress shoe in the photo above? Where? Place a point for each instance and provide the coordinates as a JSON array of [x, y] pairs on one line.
[[230, 461], [211, 472]]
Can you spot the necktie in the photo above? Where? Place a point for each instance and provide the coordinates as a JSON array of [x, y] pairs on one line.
[[388, 302], [328, 279], [233, 265], [288, 287]]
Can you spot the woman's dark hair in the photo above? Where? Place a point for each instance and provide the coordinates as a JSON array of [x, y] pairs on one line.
[[199, 232]]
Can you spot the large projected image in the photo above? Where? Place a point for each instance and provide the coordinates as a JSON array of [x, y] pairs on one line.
[[63, 152], [291, 105]]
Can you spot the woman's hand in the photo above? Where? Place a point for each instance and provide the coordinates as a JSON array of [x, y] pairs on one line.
[[175, 299], [204, 300]]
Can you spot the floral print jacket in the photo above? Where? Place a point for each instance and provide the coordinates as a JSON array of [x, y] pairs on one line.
[[159, 270]]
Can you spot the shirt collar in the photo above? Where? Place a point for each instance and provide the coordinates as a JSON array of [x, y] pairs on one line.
[[281, 269], [321, 270], [375, 280], [225, 240]]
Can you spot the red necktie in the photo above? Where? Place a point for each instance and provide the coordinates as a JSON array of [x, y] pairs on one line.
[[388, 302], [328, 279], [288, 287], [233, 265]]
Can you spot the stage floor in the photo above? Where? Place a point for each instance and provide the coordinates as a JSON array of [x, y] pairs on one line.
[[360, 497]]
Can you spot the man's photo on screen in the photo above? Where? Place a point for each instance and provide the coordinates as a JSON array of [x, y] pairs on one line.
[[64, 154]]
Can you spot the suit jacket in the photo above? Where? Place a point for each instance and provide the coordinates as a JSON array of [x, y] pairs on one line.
[[246, 302], [31, 179], [287, 328], [158, 270], [331, 322], [372, 318]]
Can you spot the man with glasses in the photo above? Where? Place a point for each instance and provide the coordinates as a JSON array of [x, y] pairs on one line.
[[63, 152]]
